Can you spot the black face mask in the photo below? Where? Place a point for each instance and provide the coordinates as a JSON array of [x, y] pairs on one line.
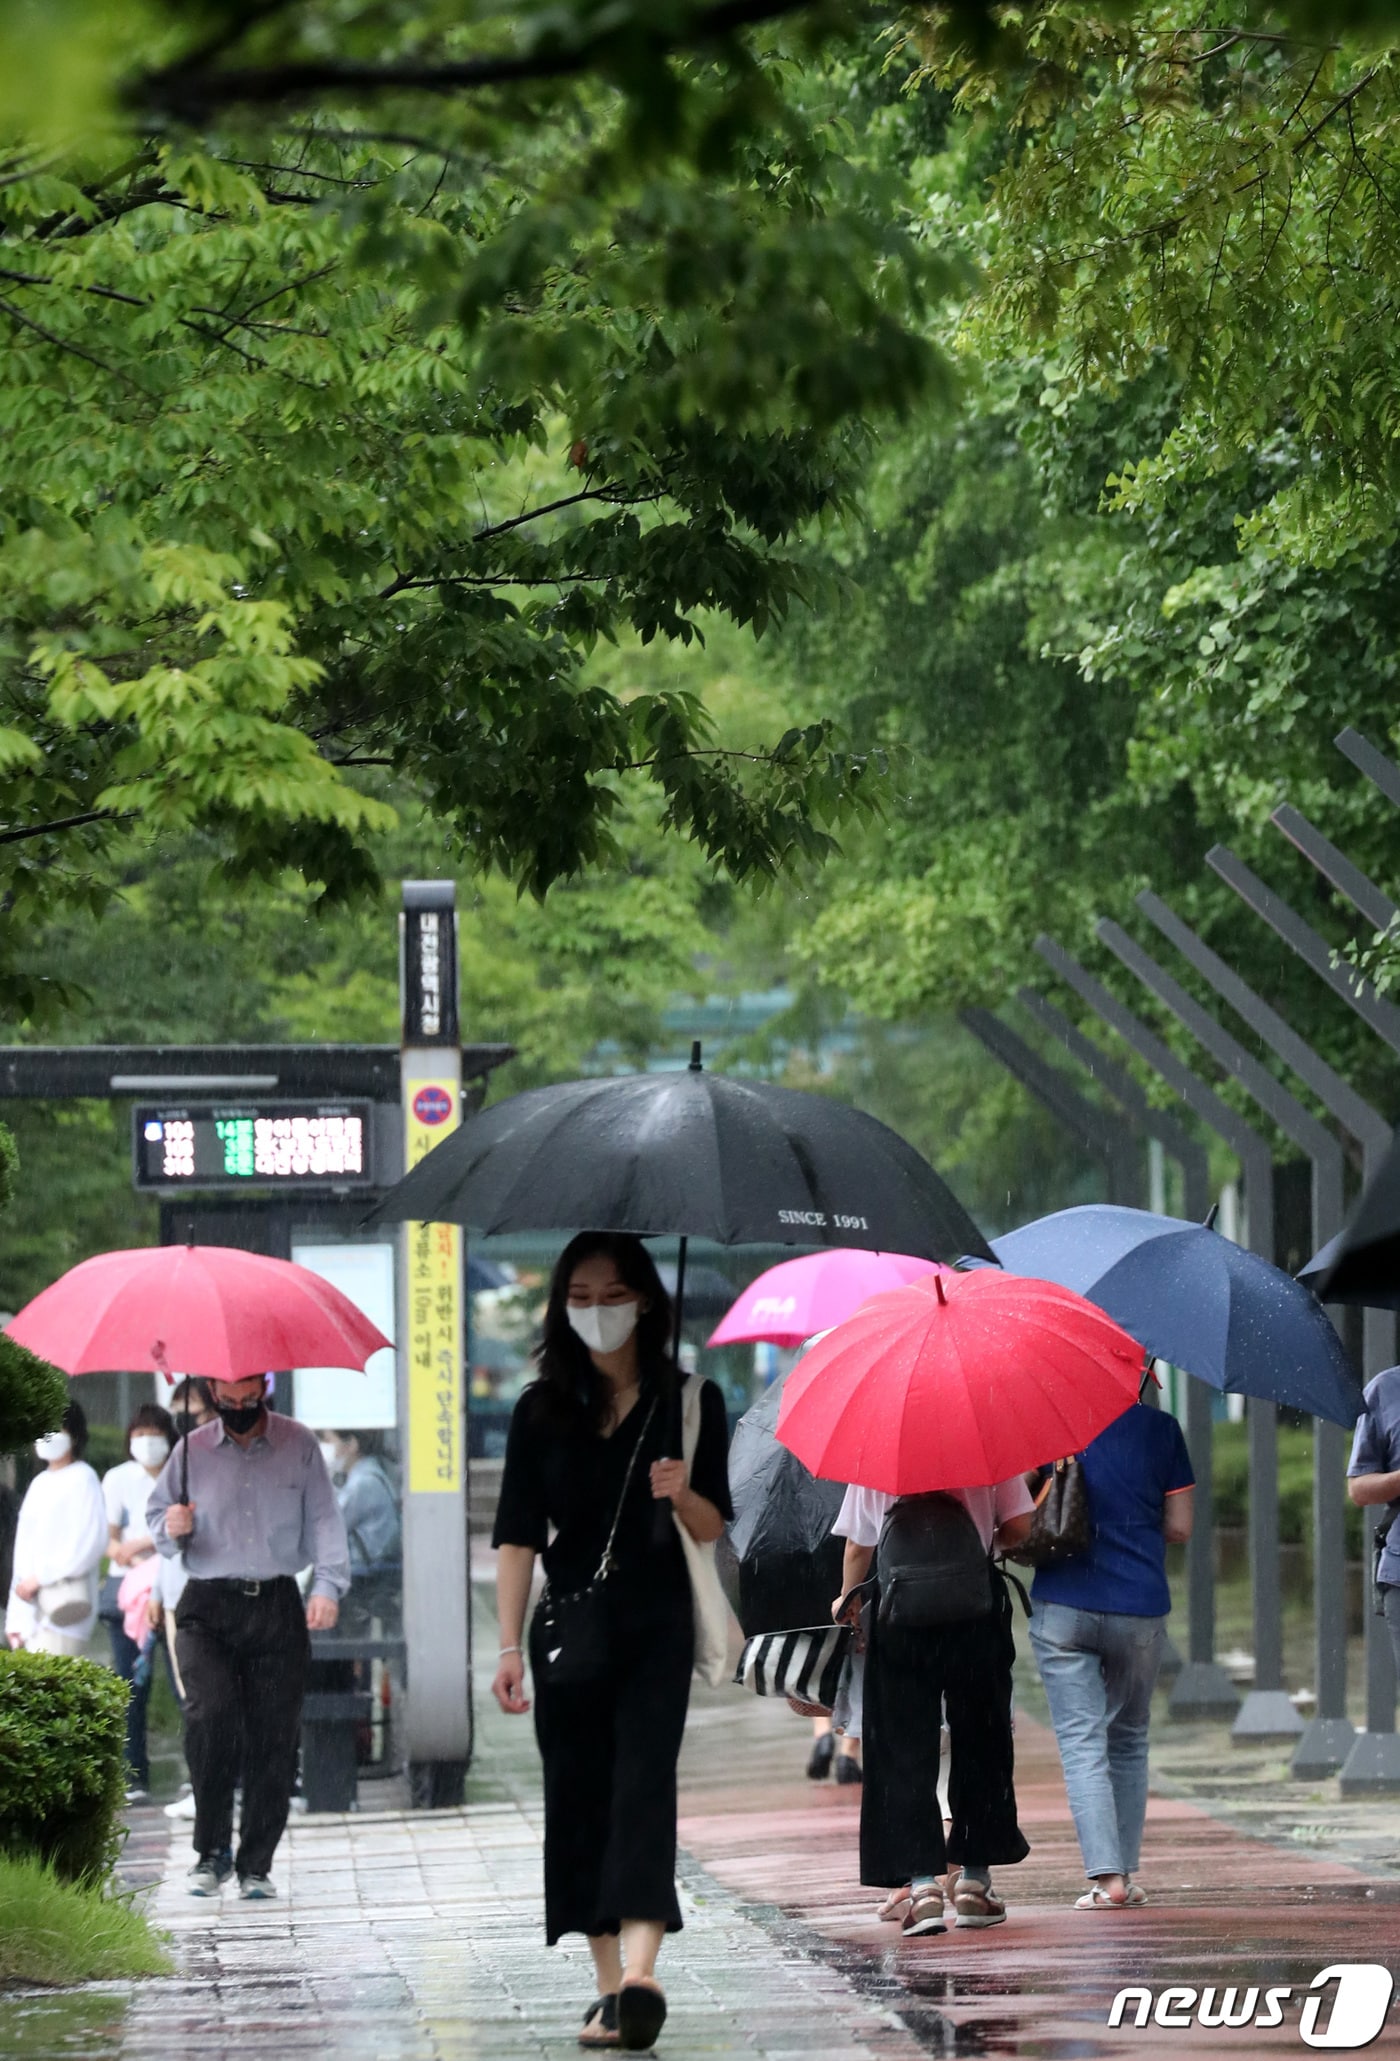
[[241, 1419]]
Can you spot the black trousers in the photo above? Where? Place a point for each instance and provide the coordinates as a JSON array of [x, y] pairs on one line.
[[908, 1676], [610, 1750], [243, 1659]]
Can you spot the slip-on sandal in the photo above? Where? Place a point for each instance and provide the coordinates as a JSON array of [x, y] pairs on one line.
[[895, 1909], [602, 2013], [1096, 1899], [641, 2013]]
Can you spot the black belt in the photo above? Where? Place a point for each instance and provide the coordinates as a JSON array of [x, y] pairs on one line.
[[237, 1584]]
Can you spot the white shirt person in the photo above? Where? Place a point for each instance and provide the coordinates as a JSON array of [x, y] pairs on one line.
[[61, 1536]]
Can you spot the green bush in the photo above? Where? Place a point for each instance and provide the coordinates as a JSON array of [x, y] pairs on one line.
[[9, 1166], [1230, 1448], [33, 1396], [55, 1931], [62, 1730]]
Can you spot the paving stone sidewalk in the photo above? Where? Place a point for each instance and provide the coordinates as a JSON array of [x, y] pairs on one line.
[[418, 1936]]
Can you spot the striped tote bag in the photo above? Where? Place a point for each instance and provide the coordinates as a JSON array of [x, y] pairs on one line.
[[805, 1663]]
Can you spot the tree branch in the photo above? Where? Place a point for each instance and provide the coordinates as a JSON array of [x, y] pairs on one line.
[[184, 91], [514, 522], [65, 823], [24, 321]]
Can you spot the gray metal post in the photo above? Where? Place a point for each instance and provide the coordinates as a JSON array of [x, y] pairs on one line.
[[1365, 1124], [1380, 911], [1106, 1140], [1381, 1016], [1328, 1739], [1335, 866], [1118, 1083], [1266, 1711], [432, 1390], [1379, 770], [1208, 1690], [1374, 1761]]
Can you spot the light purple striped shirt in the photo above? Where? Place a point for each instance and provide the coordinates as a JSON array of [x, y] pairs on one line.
[[260, 1510]]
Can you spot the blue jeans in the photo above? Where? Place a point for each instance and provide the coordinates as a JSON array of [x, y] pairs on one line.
[[1099, 1668]]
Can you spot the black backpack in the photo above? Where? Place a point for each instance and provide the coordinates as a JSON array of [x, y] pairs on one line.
[[931, 1565]]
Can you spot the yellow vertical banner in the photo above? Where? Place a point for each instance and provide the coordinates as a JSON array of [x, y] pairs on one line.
[[432, 1110]]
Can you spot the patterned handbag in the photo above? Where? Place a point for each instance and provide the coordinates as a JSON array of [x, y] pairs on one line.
[[1063, 1525], [805, 1664]]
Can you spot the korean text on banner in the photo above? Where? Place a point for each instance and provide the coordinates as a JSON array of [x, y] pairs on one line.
[[434, 1312]]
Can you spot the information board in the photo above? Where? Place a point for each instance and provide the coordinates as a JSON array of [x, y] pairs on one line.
[[431, 1113], [253, 1145]]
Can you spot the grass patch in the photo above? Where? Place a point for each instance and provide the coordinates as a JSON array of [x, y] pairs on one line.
[[52, 1931]]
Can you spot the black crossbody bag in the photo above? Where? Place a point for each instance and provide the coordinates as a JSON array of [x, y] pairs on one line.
[[570, 1634]]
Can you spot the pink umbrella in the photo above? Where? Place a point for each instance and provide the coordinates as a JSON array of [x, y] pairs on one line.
[[209, 1310], [793, 1301]]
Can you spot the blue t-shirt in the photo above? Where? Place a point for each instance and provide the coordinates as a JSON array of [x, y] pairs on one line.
[[1376, 1450], [1129, 1471]]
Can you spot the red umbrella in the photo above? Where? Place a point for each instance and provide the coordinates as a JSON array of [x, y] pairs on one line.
[[210, 1310], [958, 1381]]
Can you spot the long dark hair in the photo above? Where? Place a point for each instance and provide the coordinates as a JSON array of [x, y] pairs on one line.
[[74, 1422], [570, 1386]]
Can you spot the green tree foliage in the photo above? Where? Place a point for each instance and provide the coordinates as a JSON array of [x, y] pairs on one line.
[[1119, 611], [334, 436], [32, 1394]]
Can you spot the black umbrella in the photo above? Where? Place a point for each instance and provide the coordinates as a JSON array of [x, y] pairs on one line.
[[701, 1154], [708, 1293], [1363, 1265], [784, 1566], [698, 1154]]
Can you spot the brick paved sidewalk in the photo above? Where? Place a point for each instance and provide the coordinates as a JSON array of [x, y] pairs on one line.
[[1227, 1908], [417, 1936]]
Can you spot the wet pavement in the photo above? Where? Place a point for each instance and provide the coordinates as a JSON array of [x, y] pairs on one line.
[[417, 1936]]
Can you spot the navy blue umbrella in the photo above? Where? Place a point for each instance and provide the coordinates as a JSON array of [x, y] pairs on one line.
[[1197, 1299]]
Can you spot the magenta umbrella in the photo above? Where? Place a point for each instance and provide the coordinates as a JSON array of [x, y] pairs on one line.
[[795, 1300]]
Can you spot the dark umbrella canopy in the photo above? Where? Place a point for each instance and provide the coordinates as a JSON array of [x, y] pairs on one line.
[[1363, 1265], [690, 1152], [786, 1564], [1197, 1299], [708, 1293]]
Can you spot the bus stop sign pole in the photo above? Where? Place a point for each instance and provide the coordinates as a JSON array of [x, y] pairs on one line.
[[432, 1391]]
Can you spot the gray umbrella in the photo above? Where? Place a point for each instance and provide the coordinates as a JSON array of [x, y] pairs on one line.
[[786, 1566]]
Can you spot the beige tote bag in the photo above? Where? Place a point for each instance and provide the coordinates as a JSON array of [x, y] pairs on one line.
[[707, 1597]]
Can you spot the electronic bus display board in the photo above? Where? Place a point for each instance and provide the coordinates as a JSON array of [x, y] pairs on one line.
[[253, 1145]]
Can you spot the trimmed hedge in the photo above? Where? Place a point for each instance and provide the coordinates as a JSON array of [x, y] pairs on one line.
[[62, 1785]]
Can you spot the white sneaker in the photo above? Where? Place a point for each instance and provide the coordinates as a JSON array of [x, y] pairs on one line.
[[183, 1807]]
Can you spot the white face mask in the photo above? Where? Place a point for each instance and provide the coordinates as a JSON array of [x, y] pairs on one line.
[[57, 1446], [330, 1454], [149, 1448], [605, 1327]]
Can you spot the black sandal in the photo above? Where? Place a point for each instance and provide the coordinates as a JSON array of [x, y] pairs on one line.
[[641, 2013], [601, 2012]]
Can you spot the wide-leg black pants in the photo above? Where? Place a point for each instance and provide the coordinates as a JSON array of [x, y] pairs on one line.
[[243, 1660], [909, 1676], [610, 1749]]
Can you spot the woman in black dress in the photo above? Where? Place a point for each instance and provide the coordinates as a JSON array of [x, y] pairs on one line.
[[609, 1745]]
